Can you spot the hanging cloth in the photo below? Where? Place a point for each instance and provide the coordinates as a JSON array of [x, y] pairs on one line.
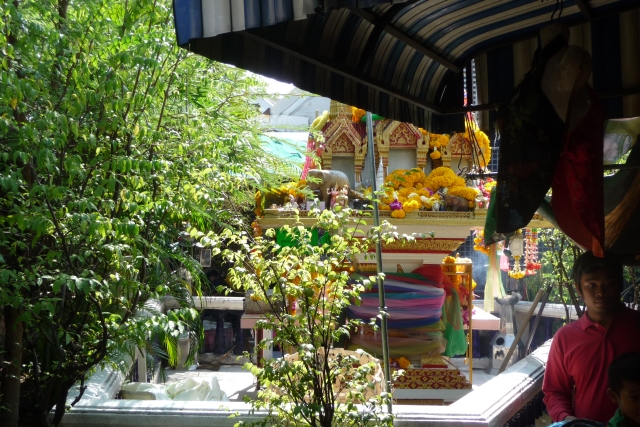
[[493, 287], [531, 139], [452, 317], [578, 194]]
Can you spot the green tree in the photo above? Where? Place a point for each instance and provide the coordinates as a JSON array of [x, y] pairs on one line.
[[557, 262], [304, 289], [114, 143]]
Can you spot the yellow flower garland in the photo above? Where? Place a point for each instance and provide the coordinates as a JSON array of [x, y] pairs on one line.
[[465, 192], [435, 155], [488, 186], [478, 243], [415, 190], [443, 177], [483, 143], [437, 141], [357, 114]]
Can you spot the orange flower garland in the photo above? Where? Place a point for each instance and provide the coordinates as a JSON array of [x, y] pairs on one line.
[[478, 243], [357, 114], [483, 142]]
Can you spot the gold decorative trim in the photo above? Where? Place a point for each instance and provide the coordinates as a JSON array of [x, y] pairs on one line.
[[284, 213], [367, 267], [446, 214], [423, 245]]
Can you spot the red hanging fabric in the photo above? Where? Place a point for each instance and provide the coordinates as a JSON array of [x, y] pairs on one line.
[[578, 194]]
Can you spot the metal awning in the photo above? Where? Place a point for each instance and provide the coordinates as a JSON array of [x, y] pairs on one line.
[[401, 60]]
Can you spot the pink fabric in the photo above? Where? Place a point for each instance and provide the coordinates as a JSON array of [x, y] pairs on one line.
[[308, 161], [504, 263], [431, 272]]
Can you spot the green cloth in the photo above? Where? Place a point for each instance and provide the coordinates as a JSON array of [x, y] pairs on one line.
[[618, 420], [374, 117], [453, 327], [491, 223]]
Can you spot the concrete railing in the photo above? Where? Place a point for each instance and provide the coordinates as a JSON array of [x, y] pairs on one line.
[[492, 404]]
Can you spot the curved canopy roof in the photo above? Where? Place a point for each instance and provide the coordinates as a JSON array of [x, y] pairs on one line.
[[401, 60]]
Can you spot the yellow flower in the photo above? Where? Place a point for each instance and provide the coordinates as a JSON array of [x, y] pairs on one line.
[[403, 362], [443, 177], [516, 274], [488, 186], [411, 205], [435, 155], [357, 114], [404, 192], [399, 213], [466, 192], [436, 141]]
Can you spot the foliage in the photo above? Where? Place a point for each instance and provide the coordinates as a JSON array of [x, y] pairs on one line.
[[557, 262], [114, 143], [304, 290]]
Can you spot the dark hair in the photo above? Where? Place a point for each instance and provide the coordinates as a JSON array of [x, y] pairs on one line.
[[624, 368], [588, 263]]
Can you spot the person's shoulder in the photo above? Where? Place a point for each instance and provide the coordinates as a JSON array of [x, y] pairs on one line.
[[568, 331], [630, 317]]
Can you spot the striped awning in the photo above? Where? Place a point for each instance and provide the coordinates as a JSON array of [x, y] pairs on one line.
[[401, 60]]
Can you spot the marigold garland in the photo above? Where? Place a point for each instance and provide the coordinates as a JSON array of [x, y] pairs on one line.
[[357, 114], [443, 177], [435, 155], [403, 362], [517, 272], [483, 142], [478, 243], [410, 190], [466, 192], [460, 282], [437, 140]]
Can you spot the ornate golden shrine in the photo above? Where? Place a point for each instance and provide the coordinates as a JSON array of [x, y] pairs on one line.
[[345, 138], [390, 134]]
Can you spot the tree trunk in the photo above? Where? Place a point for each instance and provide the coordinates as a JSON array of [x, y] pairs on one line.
[[10, 387]]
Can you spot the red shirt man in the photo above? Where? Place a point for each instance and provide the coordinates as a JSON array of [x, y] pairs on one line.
[[575, 381]]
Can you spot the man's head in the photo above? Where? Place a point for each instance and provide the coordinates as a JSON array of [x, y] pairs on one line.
[[599, 283], [624, 386]]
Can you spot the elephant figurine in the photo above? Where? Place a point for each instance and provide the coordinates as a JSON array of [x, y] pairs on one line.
[[328, 179], [512, 298], [456, 204]]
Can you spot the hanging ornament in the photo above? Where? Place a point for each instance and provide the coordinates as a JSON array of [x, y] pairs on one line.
[[478, 242], [531, 263], [516, 246]]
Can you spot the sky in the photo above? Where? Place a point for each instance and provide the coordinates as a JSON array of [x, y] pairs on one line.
[[274, 86]]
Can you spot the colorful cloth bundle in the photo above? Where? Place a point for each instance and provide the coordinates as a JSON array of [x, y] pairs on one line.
[[415, 305]]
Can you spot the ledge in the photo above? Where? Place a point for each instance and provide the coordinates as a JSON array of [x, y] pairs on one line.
[[209, 303], [473, 220], [491, 404], [556, 311]]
